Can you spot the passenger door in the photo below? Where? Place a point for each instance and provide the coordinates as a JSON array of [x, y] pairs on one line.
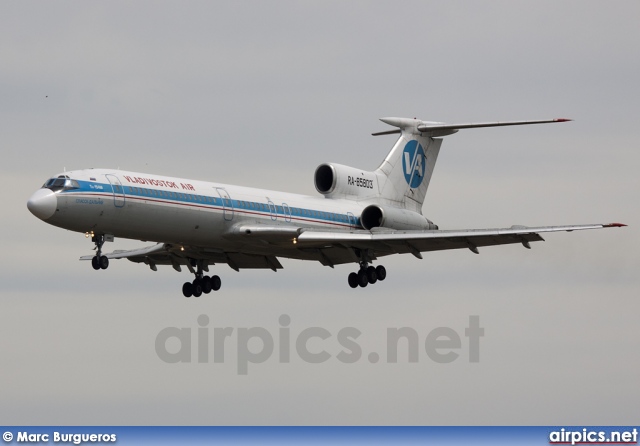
[[227, 204], [118, 190]]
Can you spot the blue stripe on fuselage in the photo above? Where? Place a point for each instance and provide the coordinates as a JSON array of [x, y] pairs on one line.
[[210, 202]]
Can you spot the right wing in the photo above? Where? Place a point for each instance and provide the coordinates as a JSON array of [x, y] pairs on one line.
[[178, 256]]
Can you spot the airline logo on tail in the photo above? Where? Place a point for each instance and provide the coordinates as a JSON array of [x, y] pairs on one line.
[[413, 163]]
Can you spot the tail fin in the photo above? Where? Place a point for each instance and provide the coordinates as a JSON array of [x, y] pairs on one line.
[[408, 169], [409, 166]]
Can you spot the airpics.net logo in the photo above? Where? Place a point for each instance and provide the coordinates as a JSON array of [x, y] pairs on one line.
[[592, 436], [413, 163], [312, 345]]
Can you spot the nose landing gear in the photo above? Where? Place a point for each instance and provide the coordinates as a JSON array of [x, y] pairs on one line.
[[99, 261]]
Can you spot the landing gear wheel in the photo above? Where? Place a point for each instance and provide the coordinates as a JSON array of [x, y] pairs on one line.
[[363, 281], [99, 261], [207, 286], [353, 280], [187, 289], [216, 283], [197, 288], [372, 277], [381, 272]]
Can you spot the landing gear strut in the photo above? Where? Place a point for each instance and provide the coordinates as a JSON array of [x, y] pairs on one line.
[[367, 275], [99, 261], [201, 284]]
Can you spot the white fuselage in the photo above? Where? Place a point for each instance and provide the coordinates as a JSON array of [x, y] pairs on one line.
[[181, 211]]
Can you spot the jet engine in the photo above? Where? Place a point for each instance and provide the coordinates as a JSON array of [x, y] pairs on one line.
[[375, 215], [335, 180]]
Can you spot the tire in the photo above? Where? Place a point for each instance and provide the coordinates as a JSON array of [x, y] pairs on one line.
[[216, 283], [95, 263], [104, 262], [363, 281], [197, 288], [207, 286], [372, 277], [381, 272], [187, 289], [353, 280]]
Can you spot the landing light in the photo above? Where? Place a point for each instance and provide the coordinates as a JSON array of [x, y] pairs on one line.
[[295, 240]]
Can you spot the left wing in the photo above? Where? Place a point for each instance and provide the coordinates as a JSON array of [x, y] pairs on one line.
[[382, 241]]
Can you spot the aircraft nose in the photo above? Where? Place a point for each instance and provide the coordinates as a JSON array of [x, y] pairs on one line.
[[43, 203]]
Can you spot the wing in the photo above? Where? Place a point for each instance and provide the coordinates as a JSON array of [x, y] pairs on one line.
[[178, 256], [263, 244], [268, 240], [381, 242]]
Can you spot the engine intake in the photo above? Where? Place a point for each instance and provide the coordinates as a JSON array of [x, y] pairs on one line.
[[325, 178]]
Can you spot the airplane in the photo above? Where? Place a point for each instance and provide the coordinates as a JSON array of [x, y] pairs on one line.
[[359, 216]]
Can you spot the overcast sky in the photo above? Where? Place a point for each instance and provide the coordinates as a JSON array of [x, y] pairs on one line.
[[259, 94]]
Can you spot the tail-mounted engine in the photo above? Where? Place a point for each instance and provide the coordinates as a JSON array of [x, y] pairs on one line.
[[338, 181], [374, 216]]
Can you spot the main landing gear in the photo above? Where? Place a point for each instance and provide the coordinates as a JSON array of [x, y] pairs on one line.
[[99, 261], [201, 284], [367, 275]]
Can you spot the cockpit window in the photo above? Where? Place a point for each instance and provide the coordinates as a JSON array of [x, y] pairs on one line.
[[61, 183]]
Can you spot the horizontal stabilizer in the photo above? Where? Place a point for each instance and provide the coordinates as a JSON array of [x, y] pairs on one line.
[[444, 129]]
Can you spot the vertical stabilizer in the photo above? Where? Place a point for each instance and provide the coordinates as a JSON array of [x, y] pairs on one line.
[[408, 168]]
